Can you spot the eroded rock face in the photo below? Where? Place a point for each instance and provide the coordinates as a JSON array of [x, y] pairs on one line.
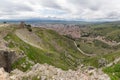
[[6, 59]]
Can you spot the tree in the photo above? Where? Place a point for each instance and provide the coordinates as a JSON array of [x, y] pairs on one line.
[[4, 22], [29, 27], [78, 45]]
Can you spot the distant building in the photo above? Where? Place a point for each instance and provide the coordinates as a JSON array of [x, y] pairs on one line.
[[22, 24]]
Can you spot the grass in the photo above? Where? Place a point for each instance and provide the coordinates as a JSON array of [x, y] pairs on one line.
[[65, 58], [112, 56], [59, 51], [36, 54], [19, 64], [110, 31], [94, 47], [102, 50], [113, 71], [114, 35]]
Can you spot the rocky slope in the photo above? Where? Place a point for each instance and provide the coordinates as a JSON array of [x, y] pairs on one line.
[[47, 72], [3, 75]]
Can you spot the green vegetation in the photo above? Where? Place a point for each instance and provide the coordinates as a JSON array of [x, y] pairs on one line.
[[109, 31], [114, 35], [22, 64], [60, 51], [64, 58], [29, 27], [57, 50], [112, 56], [33, 53], [94, 47], [113, 71]]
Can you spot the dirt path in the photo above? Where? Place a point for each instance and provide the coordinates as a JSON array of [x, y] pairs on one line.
[[102, 39], [29, 37], [114, 62], [82, 51], [34, 40], [111, 43]]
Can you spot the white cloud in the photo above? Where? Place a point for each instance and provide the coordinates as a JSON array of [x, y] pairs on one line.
[[66, 9]]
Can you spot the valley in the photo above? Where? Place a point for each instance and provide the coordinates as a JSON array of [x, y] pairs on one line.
[[67, 47]]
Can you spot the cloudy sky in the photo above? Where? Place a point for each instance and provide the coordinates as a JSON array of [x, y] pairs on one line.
[[60, 9]]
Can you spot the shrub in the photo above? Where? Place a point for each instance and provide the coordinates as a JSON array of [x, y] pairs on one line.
[[29, 27]]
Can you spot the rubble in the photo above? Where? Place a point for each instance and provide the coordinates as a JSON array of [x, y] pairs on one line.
[[48, 72]]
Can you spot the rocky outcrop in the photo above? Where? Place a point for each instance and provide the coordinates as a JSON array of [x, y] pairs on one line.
[[47, 72], [8, 57], [4, 75]]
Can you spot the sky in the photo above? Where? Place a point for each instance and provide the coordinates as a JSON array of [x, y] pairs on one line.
[[60, 9]]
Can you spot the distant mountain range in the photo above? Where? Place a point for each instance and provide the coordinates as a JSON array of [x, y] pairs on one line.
[[51, 20]]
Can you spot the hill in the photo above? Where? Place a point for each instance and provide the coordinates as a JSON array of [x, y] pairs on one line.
[[43, 46], [62, 49]]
